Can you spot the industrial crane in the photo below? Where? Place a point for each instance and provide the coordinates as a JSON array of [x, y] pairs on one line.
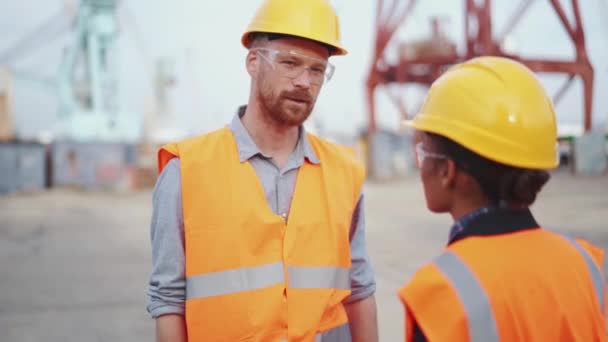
[[423, 64], [86, 82]]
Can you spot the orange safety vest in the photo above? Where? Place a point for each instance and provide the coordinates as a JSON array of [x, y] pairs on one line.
[[251, 276], [532, 285]]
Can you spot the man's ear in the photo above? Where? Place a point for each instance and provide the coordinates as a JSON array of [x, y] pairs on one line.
[[251, 63], [448, 174]]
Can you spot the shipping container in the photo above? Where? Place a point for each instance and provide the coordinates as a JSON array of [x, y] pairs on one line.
[[589, 154], [390, 155], [92, 165], [23, 167]]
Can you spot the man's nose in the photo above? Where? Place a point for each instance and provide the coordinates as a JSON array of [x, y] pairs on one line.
[[303, 79]]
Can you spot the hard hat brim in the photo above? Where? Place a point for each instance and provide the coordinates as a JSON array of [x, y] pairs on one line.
[[335, 49], [455, 131]]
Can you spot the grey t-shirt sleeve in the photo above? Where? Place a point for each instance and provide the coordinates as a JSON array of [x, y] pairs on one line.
[[362, 278], [167, 284]]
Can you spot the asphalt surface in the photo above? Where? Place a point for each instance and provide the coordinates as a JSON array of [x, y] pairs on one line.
[[74, 265]]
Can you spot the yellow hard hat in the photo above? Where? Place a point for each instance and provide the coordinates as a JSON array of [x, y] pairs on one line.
[[495, 107], [311, 19]]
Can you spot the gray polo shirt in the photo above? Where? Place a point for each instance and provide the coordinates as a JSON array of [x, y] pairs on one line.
[[167, 286]]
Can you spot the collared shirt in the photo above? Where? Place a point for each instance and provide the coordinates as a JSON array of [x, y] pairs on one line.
[[167, 286], [459, 226], [492, 221]]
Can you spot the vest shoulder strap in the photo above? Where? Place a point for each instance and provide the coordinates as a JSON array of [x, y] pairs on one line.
[[594, 259], [186, 146], [457, 296]]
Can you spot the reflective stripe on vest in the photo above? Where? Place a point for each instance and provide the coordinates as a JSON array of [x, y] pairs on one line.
[[324, 277], [596, 274], [231, 281], [480, 318], [257, 277], [340, 333]]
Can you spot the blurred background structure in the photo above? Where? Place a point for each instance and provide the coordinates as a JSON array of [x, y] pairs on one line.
[[93, 87], [422, 61], [89, 89]]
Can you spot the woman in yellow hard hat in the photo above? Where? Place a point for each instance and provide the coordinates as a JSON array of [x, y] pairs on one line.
[[487, 140]]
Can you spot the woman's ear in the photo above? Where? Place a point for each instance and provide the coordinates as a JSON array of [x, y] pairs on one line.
[[447, 174]]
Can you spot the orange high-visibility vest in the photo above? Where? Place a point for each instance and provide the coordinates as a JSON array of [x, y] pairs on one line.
[[532, 285], [250, 276]]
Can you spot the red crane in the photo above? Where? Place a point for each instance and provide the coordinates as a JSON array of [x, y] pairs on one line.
[[426, 64]]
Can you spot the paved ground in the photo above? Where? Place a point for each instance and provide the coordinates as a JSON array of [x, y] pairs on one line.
[[74, 266]]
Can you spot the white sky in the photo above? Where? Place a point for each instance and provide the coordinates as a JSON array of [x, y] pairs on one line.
[[212, 81]]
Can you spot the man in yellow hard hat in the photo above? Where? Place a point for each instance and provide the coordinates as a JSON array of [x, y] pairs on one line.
[[488, 139], [258, 228]]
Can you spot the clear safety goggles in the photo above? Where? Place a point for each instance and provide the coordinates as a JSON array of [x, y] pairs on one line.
[[292, 64], [421, 155]]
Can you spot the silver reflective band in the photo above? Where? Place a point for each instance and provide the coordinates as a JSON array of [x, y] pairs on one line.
[[340, 333], [596, 274], [237, 280], [257, 277], [319, 277], [480, 317]]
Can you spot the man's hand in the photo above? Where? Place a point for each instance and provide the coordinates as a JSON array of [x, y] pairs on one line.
[[362, 320], [171, 328]]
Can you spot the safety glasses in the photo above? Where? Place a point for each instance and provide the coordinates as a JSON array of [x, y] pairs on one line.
[[421, 155], [291, 64]]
